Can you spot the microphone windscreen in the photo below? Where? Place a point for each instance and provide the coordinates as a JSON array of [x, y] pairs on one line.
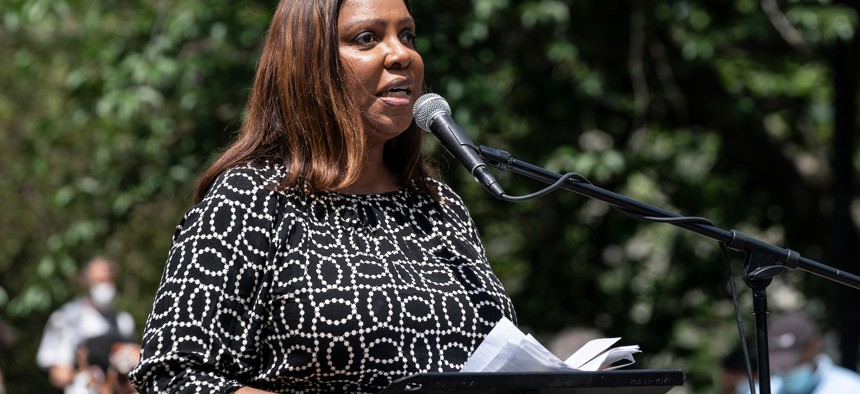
[[428, 107]]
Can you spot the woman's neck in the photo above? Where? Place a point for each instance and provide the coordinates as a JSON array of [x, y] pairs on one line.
[[375, 178]]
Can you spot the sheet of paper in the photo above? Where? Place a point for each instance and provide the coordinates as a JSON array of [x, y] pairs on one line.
[[507, 349], [611, 359], [589, 351], [533, 347], [504, 332], [513, 359]]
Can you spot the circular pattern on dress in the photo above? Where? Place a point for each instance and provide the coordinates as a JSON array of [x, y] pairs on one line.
[[317, 293]]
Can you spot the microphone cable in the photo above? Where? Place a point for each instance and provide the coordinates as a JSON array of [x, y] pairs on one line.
[[540, 193], [457, 142], [670, 220]]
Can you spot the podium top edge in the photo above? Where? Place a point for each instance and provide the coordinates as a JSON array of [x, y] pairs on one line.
[[433, 382]]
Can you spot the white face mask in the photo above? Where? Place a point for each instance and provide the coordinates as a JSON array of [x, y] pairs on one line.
[[102, 295]]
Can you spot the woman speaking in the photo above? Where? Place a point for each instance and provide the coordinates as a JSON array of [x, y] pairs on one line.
[[320, 256]]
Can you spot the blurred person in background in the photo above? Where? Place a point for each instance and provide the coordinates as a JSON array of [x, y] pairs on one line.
[[106, 361], [90, 315], [124, 356], [734, 378], [797, 362]]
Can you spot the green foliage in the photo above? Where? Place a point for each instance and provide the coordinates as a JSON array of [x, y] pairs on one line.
[[111, 110]]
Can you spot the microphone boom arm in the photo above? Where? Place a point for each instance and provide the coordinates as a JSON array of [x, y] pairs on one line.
[[763, 261], [733, 239]]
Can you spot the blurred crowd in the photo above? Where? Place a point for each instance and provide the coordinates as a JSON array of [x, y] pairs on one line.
[[89, 347]]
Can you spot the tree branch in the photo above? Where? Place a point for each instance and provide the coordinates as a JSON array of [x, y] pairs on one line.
[[783, 26]]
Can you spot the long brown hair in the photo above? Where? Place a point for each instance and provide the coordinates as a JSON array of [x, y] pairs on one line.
[[301, 114]]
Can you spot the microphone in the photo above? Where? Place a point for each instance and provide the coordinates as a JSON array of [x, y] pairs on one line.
[[433, 114]]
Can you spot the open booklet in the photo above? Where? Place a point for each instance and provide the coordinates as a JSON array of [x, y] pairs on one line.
[[507, 349]]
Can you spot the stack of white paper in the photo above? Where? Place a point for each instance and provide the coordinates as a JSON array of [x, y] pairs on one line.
[[507, 349]]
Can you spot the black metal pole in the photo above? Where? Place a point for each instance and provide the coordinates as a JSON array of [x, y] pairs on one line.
[[753, 262], [763, 260], [760, 310]]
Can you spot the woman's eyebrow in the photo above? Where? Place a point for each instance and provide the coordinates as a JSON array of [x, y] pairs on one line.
[[379, 22]]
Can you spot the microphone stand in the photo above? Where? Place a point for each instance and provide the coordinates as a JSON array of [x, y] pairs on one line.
[[763, 261]]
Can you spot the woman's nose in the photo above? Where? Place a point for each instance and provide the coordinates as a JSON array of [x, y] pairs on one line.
[[398, 54]]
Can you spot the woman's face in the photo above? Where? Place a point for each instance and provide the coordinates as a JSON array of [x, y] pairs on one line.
[[377, 46]]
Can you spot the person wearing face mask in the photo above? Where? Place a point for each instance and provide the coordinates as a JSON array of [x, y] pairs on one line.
[[88, 316], [733, 376], [797, 362]]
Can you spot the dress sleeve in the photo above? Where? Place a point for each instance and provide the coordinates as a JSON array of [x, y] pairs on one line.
[[465, 227], [203, 331], [461, 218]]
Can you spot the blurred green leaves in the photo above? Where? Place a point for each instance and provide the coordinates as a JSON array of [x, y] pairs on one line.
[[110, 110]]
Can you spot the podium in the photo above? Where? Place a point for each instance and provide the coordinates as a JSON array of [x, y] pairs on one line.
[[645, 381]]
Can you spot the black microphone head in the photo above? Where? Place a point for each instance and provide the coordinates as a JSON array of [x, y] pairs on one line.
[[428, 107]]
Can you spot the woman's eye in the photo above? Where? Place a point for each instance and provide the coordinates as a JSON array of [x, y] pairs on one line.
[[408, 37], [365, 38]]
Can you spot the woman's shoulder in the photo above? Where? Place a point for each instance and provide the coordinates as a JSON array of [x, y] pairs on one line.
[[246, 194], [441, 189], [253, 175], [247, 180], [444, 194]]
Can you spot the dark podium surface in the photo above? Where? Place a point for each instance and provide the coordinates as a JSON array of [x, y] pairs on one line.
[[643, 381]]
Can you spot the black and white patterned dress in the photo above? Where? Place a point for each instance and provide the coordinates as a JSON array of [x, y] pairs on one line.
[[316, 293]]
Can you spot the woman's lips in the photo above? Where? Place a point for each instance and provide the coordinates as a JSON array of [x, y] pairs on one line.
[[396, 97]]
